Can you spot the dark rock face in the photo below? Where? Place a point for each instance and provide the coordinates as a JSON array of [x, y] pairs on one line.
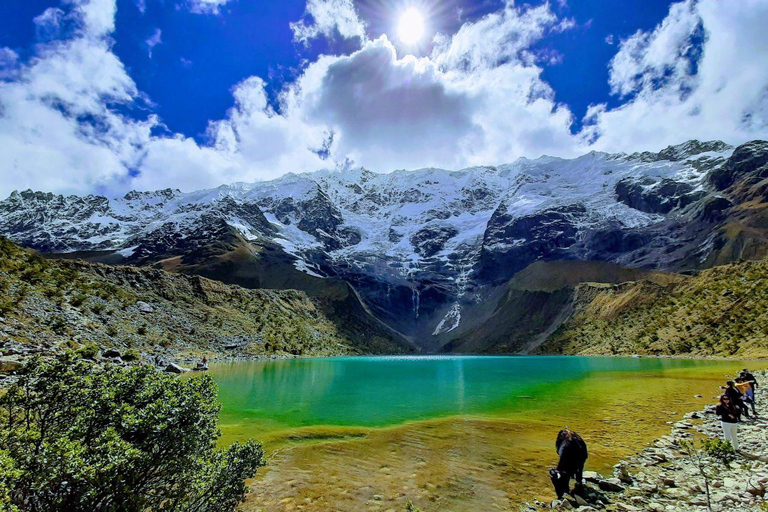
[[429, 241], [748, 162], [714, 209], [23, 213], [512, 243], [656, 196], [681, 151], [615, 241]]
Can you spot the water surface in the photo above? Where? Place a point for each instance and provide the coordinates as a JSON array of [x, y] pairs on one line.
[[453, 433]]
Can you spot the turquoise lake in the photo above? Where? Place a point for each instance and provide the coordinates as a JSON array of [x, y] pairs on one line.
[[452, 433]]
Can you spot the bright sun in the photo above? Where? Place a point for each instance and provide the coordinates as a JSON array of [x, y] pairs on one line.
[[410, 29]]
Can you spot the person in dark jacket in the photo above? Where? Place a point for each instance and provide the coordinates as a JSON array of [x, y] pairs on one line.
[[748, 377], [736, 399], [748, 393], [729, 420]]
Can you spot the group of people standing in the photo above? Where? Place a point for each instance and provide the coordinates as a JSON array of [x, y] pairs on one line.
[[735, 402]]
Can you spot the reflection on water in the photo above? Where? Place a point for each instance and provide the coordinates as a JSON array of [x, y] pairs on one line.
[[451, 433], [382, 391]]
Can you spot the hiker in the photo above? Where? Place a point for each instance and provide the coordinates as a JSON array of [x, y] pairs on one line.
[[205, 360], [729, 420], [745, 388], [748, 377], [736, 399]]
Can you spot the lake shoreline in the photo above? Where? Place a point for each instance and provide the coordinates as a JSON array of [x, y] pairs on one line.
[[664, 476]]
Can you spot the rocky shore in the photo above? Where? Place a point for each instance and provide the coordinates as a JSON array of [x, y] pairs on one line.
[[667, 476]]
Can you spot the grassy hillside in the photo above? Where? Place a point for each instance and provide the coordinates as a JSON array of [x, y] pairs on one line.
[[722, 311], [47, 305], [535, 302]]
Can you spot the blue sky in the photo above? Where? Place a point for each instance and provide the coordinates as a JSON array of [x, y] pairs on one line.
[[148, 93], [201, 57]]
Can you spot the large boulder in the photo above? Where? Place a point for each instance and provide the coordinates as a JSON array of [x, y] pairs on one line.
[[174, 368]]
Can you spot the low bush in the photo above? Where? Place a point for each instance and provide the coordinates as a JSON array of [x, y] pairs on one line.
[[78, 437], [88, 351], [719, 449], [131, 355]]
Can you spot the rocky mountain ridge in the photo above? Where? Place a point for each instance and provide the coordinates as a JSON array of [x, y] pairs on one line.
[[48, 306], [422, 248]]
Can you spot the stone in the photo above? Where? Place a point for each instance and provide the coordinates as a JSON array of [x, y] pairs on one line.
[[622, 473], [591, 476], [580, 501], [111, 353], [174, 368], [561, 505], [9, 366], [656, 507], [145, 307], [610, 485]]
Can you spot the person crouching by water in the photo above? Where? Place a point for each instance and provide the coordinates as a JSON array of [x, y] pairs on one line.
[[729, 420], [736, 399]]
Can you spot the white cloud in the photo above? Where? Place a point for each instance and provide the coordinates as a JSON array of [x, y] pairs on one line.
[[462, 105], [155, 39], [57, 131], [478, 98], [327, 18], [9, 64], [702, 73], [207, 6], [495, 39]]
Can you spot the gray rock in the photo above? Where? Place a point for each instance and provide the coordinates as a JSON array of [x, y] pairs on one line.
[[580, 501], [145, 307], [9, 366], [610, 485], [174, 368]]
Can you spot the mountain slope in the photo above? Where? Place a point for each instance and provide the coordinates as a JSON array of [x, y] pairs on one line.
[[535, 302], [720, 312], [424, 250], [50, 305]]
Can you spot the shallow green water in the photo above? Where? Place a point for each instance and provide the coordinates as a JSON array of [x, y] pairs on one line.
[[382, 391], [453, 433]]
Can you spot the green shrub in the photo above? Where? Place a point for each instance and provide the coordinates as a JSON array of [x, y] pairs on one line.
[[88, 351], [410, 507], [78, 299], [58, 324], [719, 449], [131, 355], [78, 437]]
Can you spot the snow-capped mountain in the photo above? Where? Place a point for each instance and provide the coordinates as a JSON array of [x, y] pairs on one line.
[[417, 245]]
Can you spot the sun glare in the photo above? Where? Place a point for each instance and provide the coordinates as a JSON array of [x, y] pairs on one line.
[[410, 29]]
